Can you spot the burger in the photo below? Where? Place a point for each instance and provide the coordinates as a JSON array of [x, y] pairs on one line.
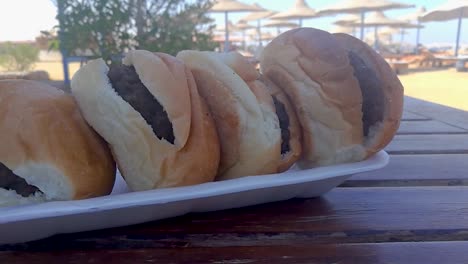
[[149, 111], [347, 98], [48, 152]]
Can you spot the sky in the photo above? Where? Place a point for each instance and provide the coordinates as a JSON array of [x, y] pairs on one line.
[[20, 23]]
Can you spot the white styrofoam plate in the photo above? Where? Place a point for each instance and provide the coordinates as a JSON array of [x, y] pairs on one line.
[[121, 208]]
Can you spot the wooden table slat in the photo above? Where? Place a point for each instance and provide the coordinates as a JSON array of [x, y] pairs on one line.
[[427, 252], [345, 215], [416, 170], [428, 127], [428, 144], [407, 115]]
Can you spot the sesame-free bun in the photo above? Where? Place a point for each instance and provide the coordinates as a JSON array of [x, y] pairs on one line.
[[291, 134], [385, 94], [145, 160], [347, 109], [46, 141], [248, 128]]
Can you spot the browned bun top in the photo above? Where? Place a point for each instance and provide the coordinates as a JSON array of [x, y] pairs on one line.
[[310, 66], [158, 127], [46, 142], [381, 89], [291, 146], [247, 125]]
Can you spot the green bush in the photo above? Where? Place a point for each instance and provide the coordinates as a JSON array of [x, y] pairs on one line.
[[18, 57]]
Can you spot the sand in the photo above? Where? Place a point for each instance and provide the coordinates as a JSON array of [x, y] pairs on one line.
[[446, 87]]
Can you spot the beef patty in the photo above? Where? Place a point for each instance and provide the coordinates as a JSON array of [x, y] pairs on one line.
[[284, 125], [11, 181], [128, 85], [372, 94]]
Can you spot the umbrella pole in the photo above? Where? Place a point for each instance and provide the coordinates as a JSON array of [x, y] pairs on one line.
[[300, 22], [259, 32], [458, 33], [417, 37], [401, 39], [226, 38], [244, 45], [376, 45], [362, 24]]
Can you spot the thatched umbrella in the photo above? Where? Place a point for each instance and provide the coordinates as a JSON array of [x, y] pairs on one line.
[[346, 21], [258, 16], [361, 7], [378, 19], [300, 10], [277, 23], [342, 29], [242, 26], [454, 9], [229, 6], [416, 17]]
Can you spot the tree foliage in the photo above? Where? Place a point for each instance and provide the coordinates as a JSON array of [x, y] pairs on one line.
[[107, 28], [18, 56]]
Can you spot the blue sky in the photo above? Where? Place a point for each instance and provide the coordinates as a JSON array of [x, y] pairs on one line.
[[19, 23]]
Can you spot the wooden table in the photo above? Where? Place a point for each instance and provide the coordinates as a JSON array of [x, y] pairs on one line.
[[413, 211]]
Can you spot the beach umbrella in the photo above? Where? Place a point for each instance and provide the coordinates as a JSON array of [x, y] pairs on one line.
[[347, 19], [377, 19], [452, 9], [277, 23], [258, 16], [416, 17], [300, 10], [222, 28], [342, 29], [229, 6], [264, 36], [242, 25], [345, 22], [361, 7]]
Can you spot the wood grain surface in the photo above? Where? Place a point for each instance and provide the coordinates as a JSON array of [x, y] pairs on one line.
[[345, 215], [428, 127], [416, 170], [411, 252], [428, 144]]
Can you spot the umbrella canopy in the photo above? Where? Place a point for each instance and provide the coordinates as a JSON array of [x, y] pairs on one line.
[[450, 10], [300, 11], [258, 16], [228, 6], [341, 29], [415, 17], [361, 7], [222, 6], [242, 25], [454, 9], [231, 27], [347, 20], [377, 19], [280, 23], [264, 13]]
